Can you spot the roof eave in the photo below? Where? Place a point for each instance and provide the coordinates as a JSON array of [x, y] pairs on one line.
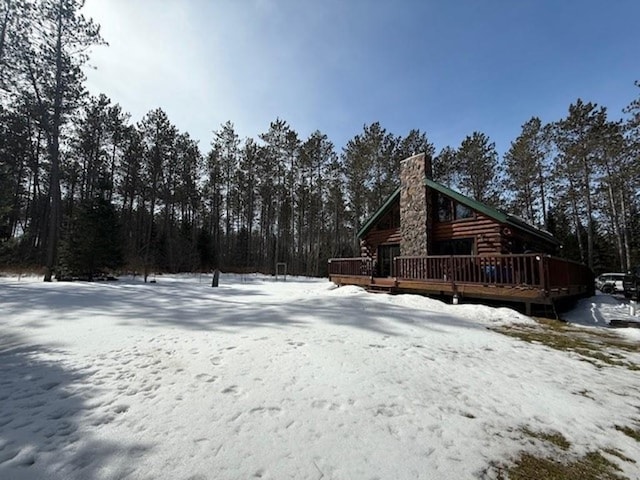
[[491, 212], [378, 213]]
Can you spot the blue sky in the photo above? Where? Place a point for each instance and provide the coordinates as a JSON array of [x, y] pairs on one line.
[[447, 68]]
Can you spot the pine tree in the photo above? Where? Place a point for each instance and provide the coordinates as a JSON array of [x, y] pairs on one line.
[[280, 151], [51, 66], [247, 180], [613, 192], [578, 140], [629, 200], [158, 136], [227, 147], [478, 174], [14, 157], [526, 168], [16, 26], [445, 167], [317, 154], [372, 168], [131, 191], [413, 143], [92, 244], [213, 202]]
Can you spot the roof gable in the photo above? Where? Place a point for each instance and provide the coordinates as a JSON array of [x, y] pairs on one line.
[[469, 202], [379, 213], [491, 212], [483, 208]]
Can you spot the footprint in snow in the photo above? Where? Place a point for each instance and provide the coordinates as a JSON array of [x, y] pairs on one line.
[[392, 410], [266, 410], [122, 408], [205, 377], [49, 385]]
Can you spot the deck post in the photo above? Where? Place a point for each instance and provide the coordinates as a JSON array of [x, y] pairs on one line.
[[371, 272], [543, 265]]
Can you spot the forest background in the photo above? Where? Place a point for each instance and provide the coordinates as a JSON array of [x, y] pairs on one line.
[[84, 188]]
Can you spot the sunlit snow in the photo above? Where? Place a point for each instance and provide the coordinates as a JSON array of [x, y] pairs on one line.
[[295, 379]]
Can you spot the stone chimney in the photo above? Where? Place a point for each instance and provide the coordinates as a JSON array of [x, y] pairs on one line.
[[415, 206]]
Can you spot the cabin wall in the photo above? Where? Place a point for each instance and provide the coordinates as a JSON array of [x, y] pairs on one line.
[[520, 242], [385, 232], [490, 236], [372, 240], [485, 232]]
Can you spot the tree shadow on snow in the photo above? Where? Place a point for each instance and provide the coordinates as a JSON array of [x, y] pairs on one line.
[[45, 420], [197, 306]]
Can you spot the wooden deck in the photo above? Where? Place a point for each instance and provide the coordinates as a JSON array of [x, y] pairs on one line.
[[533, 279]]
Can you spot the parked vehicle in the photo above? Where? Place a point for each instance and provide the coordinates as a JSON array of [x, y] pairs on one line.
[[610, 282], [631, 284]]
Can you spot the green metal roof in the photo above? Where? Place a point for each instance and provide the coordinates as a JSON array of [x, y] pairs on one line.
[[379, 213], [469, 202], [491, 212], [486, 210]]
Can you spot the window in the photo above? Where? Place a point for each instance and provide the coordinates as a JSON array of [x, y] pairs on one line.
[[459, 246], [449, 210], [462, 212], [391, 219], [444, 208]]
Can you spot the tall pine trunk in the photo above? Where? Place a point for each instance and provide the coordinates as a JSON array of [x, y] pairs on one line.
[[55, 198]]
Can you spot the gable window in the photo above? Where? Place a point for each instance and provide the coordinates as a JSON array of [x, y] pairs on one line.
[[391, 219], [462, 211], [444, 208], [449, 209]]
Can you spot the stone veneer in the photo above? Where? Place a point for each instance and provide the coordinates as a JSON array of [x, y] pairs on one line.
[[414, 211]]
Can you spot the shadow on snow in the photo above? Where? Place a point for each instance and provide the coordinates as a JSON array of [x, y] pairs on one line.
[[196, 306], [44, 404]]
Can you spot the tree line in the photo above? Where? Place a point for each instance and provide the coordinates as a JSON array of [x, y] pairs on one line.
[[85, 189]]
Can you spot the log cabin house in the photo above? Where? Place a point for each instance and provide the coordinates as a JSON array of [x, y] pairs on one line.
[[429, 239]]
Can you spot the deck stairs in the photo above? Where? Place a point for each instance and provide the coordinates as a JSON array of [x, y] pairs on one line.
[[382, 285]]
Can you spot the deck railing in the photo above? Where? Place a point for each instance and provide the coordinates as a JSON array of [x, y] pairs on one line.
[[523, 269], [565, 272], [351, 266], [533, 270]]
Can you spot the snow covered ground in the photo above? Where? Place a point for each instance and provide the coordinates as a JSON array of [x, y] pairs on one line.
[[264, 379], [598, 311]]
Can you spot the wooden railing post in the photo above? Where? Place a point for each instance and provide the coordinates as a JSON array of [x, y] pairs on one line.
[[543, 264], [370, 267]]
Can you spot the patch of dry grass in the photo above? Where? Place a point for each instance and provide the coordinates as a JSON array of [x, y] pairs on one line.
[[630, 432], [592, 466], [598, 347], [619, 454], [555, 438], [559, 464]]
